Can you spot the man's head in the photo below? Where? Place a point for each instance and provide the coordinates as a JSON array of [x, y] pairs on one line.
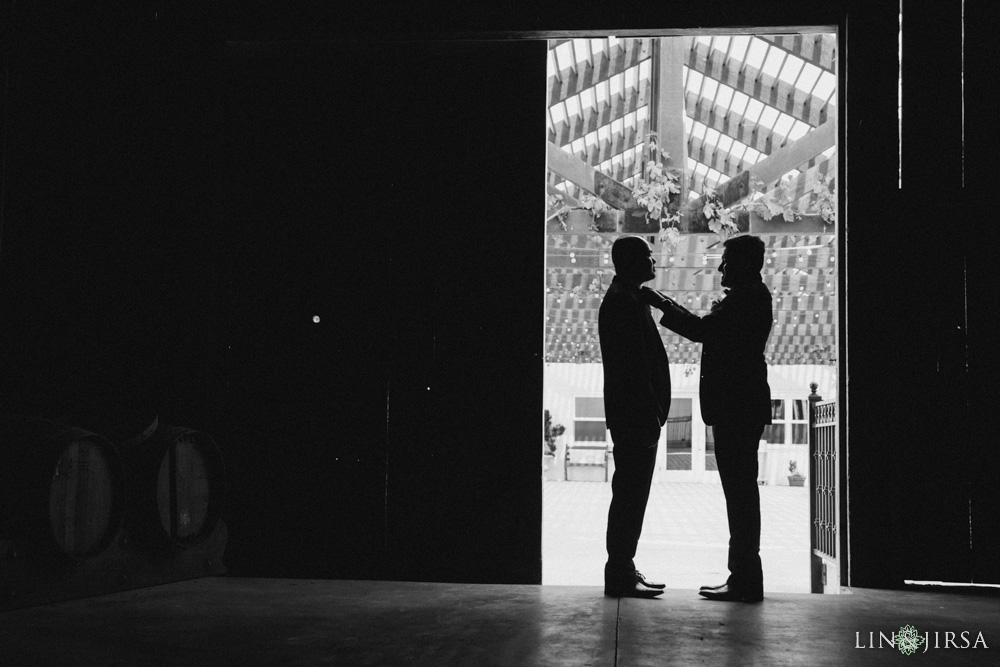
[[633, 259], [742, 260]]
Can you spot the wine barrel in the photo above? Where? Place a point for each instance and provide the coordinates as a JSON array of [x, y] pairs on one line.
[[177, 486], [62, 487]]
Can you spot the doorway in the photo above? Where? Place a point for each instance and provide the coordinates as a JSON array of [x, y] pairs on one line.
[[687, 139]]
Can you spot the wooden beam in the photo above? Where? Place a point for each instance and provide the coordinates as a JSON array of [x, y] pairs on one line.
[[576, 170], [803, 224], [667, 109], [795, 154], [570, 167], [776, 165], [567, 199], [801, 187], [735, 188]]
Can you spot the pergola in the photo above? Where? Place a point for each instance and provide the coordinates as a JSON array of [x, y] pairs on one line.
[[744, 119]]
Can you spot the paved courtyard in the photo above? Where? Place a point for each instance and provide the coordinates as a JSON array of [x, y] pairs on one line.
[[684, 540]]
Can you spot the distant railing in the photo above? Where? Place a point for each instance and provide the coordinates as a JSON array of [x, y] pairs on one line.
[[679, 431], [586, 455], [823, 494]]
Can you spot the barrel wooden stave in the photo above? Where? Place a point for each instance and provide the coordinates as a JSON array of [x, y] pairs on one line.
[[63, 486], [178, 479]]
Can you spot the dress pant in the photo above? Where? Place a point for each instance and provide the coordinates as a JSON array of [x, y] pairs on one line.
[[736, 453], [635, 458]]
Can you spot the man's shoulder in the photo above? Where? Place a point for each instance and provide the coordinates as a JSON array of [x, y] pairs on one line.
[[752, 292], [620, 296], [763, 294]]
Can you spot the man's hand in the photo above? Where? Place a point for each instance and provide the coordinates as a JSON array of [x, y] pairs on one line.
[[651, 297]]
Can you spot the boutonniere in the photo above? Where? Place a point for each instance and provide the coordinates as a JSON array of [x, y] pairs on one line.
[[717, 302]]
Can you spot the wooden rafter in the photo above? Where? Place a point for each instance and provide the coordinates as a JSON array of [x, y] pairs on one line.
[[618, 143], [715, 158], [796, 154], [574, 169], [759, 86], [568, 188], [700, 182], [620, 171], [732, 124], [568, 199], [574, 127], [818, 49], [601, 67]]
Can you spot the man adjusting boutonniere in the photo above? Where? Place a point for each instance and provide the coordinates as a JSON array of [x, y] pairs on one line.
[[735, 399]]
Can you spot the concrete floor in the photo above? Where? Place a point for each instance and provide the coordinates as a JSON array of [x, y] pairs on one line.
[[685, 535], [283, 622]]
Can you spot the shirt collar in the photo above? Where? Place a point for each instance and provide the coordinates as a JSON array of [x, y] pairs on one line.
[[621, 282]]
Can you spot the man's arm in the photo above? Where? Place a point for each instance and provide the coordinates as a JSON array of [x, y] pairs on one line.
[[728, 322], [676, 317]]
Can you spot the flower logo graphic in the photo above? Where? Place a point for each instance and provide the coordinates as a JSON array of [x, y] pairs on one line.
[[908, 640]]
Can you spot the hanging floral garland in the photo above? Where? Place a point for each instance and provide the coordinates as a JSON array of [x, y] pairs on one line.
[[658, 193]]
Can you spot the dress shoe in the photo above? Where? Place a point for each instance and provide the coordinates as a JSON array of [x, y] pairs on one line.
[[635, 590], [645, 582], [714, 588], [726, 594]]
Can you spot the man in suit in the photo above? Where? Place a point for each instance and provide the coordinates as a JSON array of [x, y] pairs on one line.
[[636, 402], [735, 399]]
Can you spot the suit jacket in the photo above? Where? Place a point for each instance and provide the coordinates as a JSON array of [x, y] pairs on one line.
[[636, 370], [733, 387]]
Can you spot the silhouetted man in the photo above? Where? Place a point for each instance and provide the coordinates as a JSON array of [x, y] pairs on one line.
[[636, 401], [735, 399]]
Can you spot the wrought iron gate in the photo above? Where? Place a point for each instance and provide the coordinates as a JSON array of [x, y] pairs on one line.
[[824, 486]]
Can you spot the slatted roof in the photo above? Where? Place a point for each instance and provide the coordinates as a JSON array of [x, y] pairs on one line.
[[746, 98]]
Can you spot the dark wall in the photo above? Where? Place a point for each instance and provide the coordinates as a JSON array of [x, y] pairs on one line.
[[921, 281], [186, 190], [378, 192], [181, 208], [982, 285]]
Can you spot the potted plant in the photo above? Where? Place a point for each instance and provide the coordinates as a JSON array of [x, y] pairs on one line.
[[549, 441], [796, 478]]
